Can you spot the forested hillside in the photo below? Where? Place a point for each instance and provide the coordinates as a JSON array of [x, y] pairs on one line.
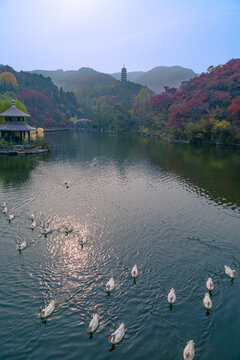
[[207, 108], [112, 107], [48, 106], [104, 100], [204, 109]]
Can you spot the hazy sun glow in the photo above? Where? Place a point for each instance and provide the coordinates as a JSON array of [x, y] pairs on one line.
[[104, 34]]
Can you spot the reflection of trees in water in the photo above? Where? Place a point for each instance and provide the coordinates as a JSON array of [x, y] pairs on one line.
[[215, 170], [16, 169]]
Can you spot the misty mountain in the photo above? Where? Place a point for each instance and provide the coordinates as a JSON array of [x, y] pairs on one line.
[[161, 76], [154, 79], [77, 79]]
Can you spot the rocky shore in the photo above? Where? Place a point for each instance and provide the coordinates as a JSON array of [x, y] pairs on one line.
[[23, 150]]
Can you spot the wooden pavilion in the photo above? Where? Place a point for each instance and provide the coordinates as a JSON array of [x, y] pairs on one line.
[[14, 128]]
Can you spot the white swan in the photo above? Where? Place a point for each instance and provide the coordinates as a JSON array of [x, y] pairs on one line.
[[4, 204], [47, 311], [171, 296], [110, 285], [83, 241], [207, 301], [22, 246], [32, 217], [10, 217], [93, 323], [47, 231], [118, 335], [189, 351], [228, 271], [209, 284], [33, 225], [68, 229], [67, 184], [5, 210], [134, 271]]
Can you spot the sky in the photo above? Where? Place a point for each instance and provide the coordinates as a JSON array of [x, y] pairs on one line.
[[105, 34]]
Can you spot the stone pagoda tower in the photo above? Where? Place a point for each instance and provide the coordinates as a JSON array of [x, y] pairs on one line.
[[124, 75]]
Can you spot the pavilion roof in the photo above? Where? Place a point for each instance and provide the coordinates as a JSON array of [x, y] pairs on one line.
[[16, 126], [14, 112]]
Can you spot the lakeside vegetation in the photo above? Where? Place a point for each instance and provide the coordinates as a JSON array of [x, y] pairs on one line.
[[205, 109]]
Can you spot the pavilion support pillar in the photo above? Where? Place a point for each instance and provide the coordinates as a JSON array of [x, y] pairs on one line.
[[29, 138]]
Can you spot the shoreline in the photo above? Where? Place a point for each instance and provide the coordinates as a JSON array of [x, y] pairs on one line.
[[55, 130], [151, 136], [20, 150]]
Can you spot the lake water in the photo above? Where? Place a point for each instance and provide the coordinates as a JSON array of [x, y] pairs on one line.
[[172, 209]]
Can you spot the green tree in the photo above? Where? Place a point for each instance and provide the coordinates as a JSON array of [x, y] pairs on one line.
[[8, 81], [142, 97]]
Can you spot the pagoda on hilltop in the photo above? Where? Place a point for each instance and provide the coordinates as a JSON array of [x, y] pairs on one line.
[[123, 75], [14, 128]]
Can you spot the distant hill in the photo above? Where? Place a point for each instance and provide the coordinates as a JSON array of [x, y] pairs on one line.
[[47, 105], [132, 75], [85, 77], [161, 76], [77, 79]]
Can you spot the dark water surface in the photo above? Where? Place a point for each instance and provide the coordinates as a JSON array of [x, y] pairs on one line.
[[174, 210]]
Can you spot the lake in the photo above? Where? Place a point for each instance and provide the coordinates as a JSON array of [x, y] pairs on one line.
[[172, 209]]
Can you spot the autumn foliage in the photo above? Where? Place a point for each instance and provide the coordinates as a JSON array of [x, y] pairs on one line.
[[200, 106], [43, 99]]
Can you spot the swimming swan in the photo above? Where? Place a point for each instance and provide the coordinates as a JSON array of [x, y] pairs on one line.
[[33, 225], [207, 301], [67, 184], [68, 229], [93, 323], [134, 271], [22, 246], [110, 285], [47, 231], [209, 284], [171, 296], [228, 271], [83, 241], [47, 311], [118, 335], [189, 351]]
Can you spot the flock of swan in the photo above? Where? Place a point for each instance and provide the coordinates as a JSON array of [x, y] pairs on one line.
[[118, 335]]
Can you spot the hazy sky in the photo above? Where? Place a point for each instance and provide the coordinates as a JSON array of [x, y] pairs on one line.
[[105, 34]]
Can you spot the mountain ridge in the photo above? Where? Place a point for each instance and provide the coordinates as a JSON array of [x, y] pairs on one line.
[[155, 79], [70, 80], [160, 76]]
